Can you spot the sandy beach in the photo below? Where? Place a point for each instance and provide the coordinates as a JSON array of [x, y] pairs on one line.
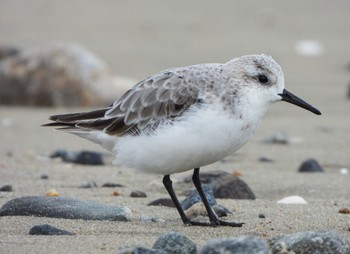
[[140, 38]]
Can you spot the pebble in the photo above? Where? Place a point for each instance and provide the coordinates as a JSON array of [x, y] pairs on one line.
[[162, 202], [82, 157], [140, 250], [292, 200], [198, 209], [344, 171], [241, 245], [148, 219], [309, 48], [194, 197], [46, 229], [138, 194], [88, 185], [175, 243], [52, 193], [225, 185], [44, 177], [67, 208], [344, 210], [6, 188], [310, 242], [8, 51], [276, 138], [265, 159], [232, 187], [261, 216], [112, 185], [311, 166]]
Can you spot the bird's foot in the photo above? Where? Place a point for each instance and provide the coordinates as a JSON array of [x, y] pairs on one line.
[[214, 223]]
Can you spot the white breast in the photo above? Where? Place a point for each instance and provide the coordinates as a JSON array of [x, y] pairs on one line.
[[202, 137]]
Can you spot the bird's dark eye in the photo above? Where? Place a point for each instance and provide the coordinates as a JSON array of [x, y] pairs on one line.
[[263, 79]]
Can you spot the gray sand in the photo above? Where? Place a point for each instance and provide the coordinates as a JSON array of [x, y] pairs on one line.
[[138, 39]]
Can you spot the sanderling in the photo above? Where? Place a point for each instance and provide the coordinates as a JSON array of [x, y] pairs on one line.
[[185, 118]]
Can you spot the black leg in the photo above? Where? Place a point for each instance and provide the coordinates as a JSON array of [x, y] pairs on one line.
[[213, 218], [169, 187], [214, 221]]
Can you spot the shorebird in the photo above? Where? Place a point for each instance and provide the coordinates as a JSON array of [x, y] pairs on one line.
[[185, 118]]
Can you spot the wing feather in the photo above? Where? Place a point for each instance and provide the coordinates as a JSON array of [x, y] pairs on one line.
[[151, 102]]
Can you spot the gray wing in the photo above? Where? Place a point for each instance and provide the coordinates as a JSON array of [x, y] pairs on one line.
[[153, 101]]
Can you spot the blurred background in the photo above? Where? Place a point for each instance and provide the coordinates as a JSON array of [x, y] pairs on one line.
[[134, 39]]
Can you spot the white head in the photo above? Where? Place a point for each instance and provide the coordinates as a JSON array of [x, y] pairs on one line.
[[263, 81]]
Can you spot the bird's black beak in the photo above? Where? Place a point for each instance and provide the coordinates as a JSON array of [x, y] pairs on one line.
[[291, 98]]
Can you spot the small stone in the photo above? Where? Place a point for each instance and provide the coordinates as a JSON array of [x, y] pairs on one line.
[[175, 243], [6, 188], [344, 210], [44, 177], [52, 193], [225, 185], [265, 159], [87, 185], [292, 200], [243, 245], [67, 208], [46, 229], [162, 202], [276, 138], [198, 209], [112, 185], [148, 219], [83, 157], [194, 197], [262, 216], [140, 250], [116, 193], [138, 194], [344, 171], [310, 165], [310, 242]]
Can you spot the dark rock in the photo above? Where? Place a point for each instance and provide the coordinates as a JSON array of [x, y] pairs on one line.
[[176, 243], [241, 245], [46, 229], [265, 159], [138, 194], [67, 208], [310, 165], [6, 188], [276, 138], [83, 157], [44, 176], [140, 250], [162, 202], [194, 197], [8, 51], [261, 216], [88, 185], [232, 187], [225, 185], [310, 242], [112, 185]]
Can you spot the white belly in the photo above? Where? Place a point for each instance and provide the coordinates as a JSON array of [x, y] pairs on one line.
[[203, 137]]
